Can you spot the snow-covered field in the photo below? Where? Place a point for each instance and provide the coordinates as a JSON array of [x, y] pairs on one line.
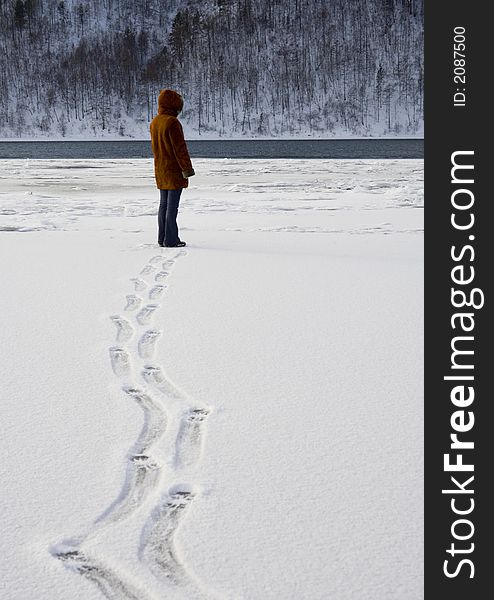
[[242, 420]]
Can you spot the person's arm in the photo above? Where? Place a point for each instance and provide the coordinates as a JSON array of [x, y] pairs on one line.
[[180, 149], [151, 131]]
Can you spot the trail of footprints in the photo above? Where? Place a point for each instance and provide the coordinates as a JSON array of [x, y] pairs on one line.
[[144, 471]]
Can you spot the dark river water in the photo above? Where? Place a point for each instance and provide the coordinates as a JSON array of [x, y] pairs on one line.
[[366, 148]]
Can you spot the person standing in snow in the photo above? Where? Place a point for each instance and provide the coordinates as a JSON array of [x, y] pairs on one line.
[[172, 165]]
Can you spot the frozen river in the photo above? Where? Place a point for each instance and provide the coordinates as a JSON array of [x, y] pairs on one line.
[[334, 148], [241, 420]]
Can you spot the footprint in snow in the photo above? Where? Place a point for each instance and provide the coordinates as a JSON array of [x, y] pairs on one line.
[[156, 292], [155, 259], [124, 329], [168, 264], [147, 343], [133, 302], [145, 315], [155, 421], [161, 276], [142, 460], [190, 437], [120, 361], [148, 269], [143, 474], [110, 583], [139, 284], [158, 548], [153, 375]]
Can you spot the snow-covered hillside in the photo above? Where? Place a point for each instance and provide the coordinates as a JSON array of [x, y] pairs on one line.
[[245, 67]]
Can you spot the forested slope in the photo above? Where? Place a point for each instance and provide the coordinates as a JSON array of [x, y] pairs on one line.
[[245, 67]]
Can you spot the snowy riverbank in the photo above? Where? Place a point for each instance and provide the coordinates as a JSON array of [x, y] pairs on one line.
[[210, 137], [287, 461]]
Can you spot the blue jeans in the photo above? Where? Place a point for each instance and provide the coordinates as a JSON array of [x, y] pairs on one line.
[[167, 217]]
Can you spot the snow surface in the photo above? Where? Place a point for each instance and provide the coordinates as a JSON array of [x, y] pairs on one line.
[[242, 420]]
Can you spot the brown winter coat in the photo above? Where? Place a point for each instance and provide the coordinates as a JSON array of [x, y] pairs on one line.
[[172, 165]]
